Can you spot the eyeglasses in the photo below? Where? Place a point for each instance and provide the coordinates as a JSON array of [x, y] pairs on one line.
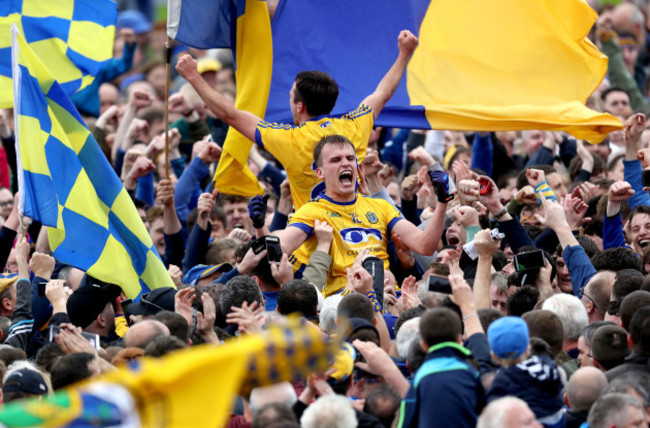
[[581, 292], [4, 204]]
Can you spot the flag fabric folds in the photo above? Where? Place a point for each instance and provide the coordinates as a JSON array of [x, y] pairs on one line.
[[188, 388], [67, 184], [73, 37]]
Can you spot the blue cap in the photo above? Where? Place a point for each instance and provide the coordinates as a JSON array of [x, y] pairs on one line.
[[508, 337], [133, 19], [26, 381], [201, 271]]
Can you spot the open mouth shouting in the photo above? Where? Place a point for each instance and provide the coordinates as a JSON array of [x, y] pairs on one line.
[[346, 178], [643, 243]]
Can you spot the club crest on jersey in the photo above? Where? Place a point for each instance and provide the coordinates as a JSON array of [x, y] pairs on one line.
[[372, 218], [326, 124], [357, 238]]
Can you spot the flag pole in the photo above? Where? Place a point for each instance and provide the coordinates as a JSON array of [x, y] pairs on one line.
[[168, 46]]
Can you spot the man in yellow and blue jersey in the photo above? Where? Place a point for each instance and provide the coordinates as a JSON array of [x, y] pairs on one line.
[[312, 99], [358, 221]]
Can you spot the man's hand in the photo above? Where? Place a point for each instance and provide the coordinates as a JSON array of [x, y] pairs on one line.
[[574, 210], [410, 186], [620, 191], [535, 177], [282, 273], [183, 304], [42, 265], [468, 191], [404, 253], [466, 216], [186, 67], [554, 215], [137, 130], [141, 167], [285, 204], [526, 196], [129, 160], [204, 207], [484, 245], [407, 42], [490, 200], [140, 99], [324, 235], [179, 104], [57, 295], [211, 152], [257, 210], [585, 191], [634, 127], [462, 172], [248, 318], [421, 156], [71, 341], [462, 294], [361, 280], [371, 164], [5, 130], [109, 118], [240, 235], [177, 275], [585, 156], [205, 320], [439, 181], [128, 35], [249, 261], [166, 192], [22, 254]]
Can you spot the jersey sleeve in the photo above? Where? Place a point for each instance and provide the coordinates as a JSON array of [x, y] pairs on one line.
[[276, 139], [305, 218], [392, 215]]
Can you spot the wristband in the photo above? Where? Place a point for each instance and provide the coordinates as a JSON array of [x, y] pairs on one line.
[[544, 188], [373, 299], [501, 213], [468, 316]]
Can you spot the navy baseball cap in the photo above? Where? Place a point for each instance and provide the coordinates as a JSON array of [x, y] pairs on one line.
[[26, 381], [508, 337], [201, 271], [160, 299]]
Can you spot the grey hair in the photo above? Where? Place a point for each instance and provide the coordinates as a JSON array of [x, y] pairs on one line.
[[611, 409], [329, 411], [327, 314], [571, 312], [407, 334], [500, 280]]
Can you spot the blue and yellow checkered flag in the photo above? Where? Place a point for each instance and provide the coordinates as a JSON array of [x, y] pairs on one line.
[[66, 183], [73, 37]]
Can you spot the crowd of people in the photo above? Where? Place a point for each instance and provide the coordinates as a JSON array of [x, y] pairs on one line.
[[490, 279]]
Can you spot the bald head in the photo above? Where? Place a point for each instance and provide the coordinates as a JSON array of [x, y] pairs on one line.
[[584, 388], [507, 412], [144, 332], [627, 18], [599, 290]]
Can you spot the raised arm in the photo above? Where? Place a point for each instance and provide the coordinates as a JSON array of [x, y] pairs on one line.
[[386, 88], [220, 106]]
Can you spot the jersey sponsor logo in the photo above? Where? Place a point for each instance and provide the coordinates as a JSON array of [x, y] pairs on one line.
[[333, 214], [326, 124], [372, 218], [356, 238], [355, 218]]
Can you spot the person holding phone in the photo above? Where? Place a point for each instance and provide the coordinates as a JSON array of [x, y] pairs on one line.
[[359, 222]]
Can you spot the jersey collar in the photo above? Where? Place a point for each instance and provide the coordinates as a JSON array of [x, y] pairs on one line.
[[352, 202]]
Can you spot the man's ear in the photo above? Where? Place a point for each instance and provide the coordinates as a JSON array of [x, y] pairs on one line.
[[300, 107], [423, 345], [6, 304], [101, 322], [566, 400], [630, 342], [256, 279], [319, 173]]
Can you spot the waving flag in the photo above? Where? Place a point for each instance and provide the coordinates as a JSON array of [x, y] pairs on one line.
[[535, 69], [67, 184], [73, 37]]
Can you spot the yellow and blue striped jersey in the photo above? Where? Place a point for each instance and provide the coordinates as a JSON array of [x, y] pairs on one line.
[[293, 146], [362, 223]]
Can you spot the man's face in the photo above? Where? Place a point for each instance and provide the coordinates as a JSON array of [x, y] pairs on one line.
[[532, 141], [601, 149], [446, 256], [237, 216], [521, 417], [338, 169], [498, 299], [108, 96], [143, 217], [556, 184], [640, 228], [456, 235], [584, 353], [12, 264], [157, 235], [218, 228], [6, 203], [636, 418], [630, 54], [617, 171], [617, 103], [563, 278]]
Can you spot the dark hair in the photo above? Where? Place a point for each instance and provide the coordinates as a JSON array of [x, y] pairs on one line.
[[163, 345], [576, 164], [487, 316], [5, 323], [71, 368], [640, 330], [176, 323], [10, 355], [298, 296], [47, 356], [217, 250], [641, 209], [546, 325], [632, 303], [609, 346], [521, 301], [273, 413], [440, 325], [334, 139], [355, 305], [383, 404], [438, 268], [214, 290], [238, 290], [608, 91], [612, 163], [317, 91], [616, 259], [225, 198]]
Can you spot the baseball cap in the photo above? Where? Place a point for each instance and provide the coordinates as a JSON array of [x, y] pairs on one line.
[[208, 64], [26, 381], [133, 19], [6, 280], [89, 300], [508, 337], [201, 271], [160, 299]]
